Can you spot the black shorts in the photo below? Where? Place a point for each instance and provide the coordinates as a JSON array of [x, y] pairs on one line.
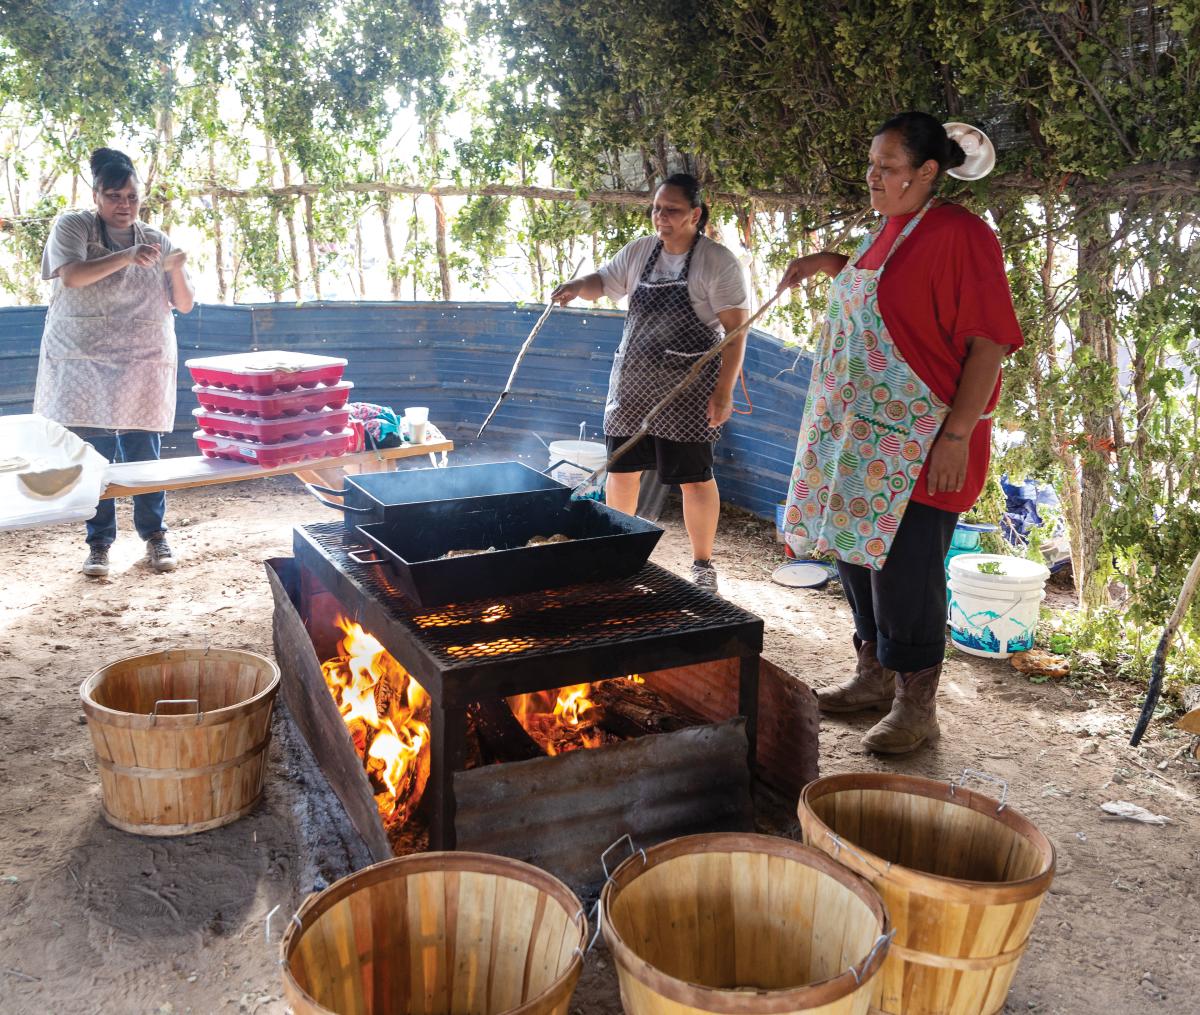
[[675, 462]]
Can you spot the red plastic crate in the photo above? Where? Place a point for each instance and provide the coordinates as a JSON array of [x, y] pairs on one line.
[[272, 456], [276, 406], [272, 431], [266, 372]]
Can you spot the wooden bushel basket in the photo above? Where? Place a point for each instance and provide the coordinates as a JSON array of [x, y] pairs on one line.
[[962, 875], [435, 934], [180, 737], [744, 924]]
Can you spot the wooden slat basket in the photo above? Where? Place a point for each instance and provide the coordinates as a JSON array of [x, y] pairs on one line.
[[180, 737], [435, 934], [744, 924], [962, 875]]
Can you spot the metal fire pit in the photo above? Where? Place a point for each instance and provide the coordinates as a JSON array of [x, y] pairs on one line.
[[372, 497], [489, 649], [602, 545]]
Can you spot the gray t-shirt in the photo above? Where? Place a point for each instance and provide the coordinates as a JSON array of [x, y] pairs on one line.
[[68, 242], [716, 281]]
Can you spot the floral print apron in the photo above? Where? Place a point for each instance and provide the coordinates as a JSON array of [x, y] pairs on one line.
[[869, 424], [663, 337], [108, 355]]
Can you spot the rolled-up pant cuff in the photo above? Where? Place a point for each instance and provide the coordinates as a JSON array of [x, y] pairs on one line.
[[864, 628], [904, 658]]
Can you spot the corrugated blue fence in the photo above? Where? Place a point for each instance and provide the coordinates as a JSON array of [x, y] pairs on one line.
[[455, 358]]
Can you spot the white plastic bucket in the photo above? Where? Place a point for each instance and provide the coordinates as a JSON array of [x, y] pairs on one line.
[[574, 461], [995, 615]]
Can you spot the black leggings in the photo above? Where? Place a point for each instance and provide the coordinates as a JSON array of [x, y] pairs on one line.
[[903, 607]]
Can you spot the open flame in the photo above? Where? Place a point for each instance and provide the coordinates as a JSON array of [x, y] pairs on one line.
[[385, 711], [571, 703], [559, 720]]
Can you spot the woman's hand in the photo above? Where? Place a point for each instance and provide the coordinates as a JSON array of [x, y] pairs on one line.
[[174, 260], [566, 292], [720, 407], [805, 267], [948, 463], [143, 255]]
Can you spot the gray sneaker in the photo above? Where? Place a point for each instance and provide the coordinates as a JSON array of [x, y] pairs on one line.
[[96, 565], [159, 555], [705, 577]]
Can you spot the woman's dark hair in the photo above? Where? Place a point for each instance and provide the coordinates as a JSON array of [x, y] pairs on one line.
[[111, 169], [924, 138], [691, 190]]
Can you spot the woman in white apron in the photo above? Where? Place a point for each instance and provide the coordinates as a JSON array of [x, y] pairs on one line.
[[895, 439], [107, 368], [684, 291]]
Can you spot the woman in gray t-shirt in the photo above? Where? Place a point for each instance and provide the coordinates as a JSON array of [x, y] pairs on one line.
[[684, 291], [107, 367]]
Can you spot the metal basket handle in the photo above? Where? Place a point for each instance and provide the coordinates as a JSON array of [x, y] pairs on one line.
[[971, 773], [356, 556]]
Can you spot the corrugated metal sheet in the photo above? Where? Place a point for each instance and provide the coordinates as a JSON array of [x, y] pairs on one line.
[[561, 813], [455, 358]]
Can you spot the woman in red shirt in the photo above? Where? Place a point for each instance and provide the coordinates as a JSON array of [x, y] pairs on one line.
[[897, 423]]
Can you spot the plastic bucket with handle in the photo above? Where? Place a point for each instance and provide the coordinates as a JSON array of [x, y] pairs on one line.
[[994, 611], [571, 462]]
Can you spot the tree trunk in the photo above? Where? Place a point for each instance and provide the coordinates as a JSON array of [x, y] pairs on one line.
[[389, 244], [1096, 328], [218, 241], [358, 260], [310, 231], [293, 246], [439, 215]]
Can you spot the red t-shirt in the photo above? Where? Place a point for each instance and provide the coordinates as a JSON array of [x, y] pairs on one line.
[[945, 284]]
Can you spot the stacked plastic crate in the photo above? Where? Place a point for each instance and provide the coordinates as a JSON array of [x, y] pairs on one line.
[[271, 408]]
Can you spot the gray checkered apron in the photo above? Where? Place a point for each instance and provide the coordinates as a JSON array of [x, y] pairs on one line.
[[662, 338]]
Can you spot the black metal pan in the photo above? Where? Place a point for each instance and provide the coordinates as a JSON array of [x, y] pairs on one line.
[[371, 497], [603, 545]]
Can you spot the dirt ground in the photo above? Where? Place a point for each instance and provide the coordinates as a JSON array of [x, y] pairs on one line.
[[94, 920]]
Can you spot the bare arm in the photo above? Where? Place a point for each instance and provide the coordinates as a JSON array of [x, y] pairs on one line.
[[590, 287], [77, 274], [183, 293], [805, 267], [948, 459], [720, 404]]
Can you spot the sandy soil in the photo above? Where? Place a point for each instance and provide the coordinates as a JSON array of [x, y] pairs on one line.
[[94, 920]]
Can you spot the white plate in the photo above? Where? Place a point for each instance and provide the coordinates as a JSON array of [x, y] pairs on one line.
[[801, 574]]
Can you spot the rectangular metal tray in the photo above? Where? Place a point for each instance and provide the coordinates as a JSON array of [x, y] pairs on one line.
[[374, 496], [603, 544]]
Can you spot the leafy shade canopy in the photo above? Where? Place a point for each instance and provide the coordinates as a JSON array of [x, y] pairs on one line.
[[783, 96], [312, 69]]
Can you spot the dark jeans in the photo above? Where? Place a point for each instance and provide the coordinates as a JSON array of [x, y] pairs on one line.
[[903, 607], [148, 508]]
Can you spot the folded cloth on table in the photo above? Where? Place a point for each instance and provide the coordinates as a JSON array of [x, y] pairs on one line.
[[380, 422]]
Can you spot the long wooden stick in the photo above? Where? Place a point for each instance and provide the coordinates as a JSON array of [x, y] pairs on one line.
[[1158, 665], [674, 393], [512, 375]]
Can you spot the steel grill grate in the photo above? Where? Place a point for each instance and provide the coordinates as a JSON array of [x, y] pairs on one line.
[[653, 603]]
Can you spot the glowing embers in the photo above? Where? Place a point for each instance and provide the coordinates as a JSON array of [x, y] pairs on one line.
[[387, 713]]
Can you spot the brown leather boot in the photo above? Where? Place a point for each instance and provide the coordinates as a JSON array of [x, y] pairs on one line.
[[871, 687], [913, 718]]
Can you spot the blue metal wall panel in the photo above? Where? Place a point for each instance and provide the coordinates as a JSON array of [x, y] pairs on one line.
[[455, 358]]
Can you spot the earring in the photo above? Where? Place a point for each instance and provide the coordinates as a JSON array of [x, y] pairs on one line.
[[906, 184]]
